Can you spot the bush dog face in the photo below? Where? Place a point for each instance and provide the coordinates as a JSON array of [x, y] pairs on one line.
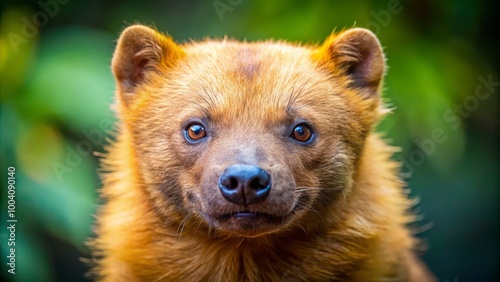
[[238, 161]]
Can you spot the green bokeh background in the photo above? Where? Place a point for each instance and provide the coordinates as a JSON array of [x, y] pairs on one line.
[[57, 87]]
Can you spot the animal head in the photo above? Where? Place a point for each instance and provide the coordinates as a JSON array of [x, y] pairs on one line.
[[247, 138]]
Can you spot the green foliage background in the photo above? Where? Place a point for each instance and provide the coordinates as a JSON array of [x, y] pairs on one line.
[[56, 91]]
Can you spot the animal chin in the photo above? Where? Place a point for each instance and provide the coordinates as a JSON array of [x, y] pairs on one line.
[[248, 223]]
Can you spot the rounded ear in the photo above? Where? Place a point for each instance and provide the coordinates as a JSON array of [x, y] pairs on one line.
[[141, 50], [358, 54]]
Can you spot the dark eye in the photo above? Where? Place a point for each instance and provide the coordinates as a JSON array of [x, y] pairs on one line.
[[302, 133], [195, 132]]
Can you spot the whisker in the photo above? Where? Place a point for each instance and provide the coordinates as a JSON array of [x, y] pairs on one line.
[[239, 244], [161, 277], [304, 188], [290, 98], [294, 96], [196, 229], [299, 224], [212, 102], [181, 226], [308, 207]]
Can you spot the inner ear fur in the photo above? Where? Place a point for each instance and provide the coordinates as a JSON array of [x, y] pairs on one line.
[[141, 50], [358, 54]]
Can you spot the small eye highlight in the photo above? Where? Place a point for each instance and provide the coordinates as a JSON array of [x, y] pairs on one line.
[[302, 133], [195, 132]]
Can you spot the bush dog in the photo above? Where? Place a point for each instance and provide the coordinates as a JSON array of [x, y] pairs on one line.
[[252, 161]]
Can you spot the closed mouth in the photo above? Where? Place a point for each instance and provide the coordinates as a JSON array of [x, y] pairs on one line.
[[249, 218], [245, 214], [248, 223]]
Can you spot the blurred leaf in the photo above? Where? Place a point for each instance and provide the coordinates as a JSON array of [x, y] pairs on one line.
[[64, 206], [418, 87], [72, 81], [38, 146], [31, 262], [16, 51]]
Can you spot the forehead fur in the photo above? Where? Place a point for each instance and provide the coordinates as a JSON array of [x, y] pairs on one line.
[[229, 80]]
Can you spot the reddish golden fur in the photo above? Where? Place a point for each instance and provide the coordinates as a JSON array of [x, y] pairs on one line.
[[341, 203]]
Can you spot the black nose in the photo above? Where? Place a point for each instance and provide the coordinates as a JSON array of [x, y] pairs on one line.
[[245, 184]]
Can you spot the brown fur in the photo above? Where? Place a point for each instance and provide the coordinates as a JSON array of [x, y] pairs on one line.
[[339, 209]]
